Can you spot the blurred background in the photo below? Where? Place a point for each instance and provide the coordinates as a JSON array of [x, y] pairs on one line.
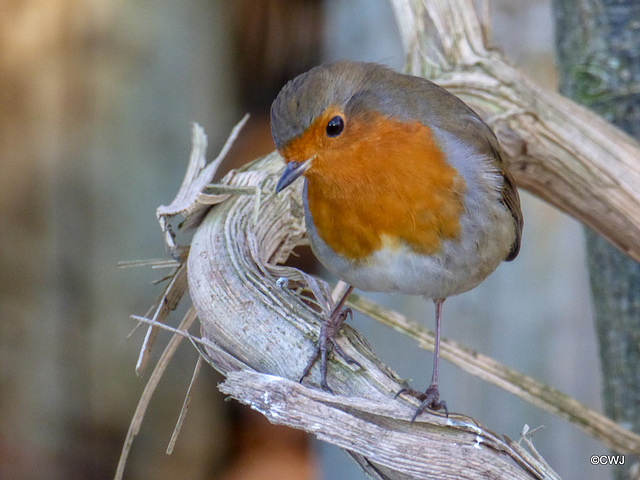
[[96, 100]]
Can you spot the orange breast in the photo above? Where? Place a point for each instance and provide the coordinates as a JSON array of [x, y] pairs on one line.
[[382, 183]]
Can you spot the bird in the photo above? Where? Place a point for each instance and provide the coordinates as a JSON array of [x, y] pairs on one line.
[[405, 190]]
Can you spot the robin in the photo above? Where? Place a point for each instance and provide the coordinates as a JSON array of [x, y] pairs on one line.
[[405, 189]]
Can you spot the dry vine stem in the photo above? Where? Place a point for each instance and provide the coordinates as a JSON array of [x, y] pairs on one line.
[[259, 331]]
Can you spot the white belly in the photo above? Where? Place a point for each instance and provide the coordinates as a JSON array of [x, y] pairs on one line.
[[457, 268]]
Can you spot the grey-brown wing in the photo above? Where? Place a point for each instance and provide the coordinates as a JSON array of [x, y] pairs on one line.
[[511, 199], [479, 134]]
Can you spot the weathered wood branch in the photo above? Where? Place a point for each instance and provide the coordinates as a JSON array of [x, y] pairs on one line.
[[560, 151], [379, 436], [257, 322], [237, 288]]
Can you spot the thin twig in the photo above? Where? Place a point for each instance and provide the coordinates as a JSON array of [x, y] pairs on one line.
[[150, 388], [185, 407], [172, 295]]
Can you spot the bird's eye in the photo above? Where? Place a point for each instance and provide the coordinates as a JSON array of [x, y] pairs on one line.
[[335, 126]]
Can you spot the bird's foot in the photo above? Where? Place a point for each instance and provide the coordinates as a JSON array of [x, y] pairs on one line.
[[326, 343], [430, 399]]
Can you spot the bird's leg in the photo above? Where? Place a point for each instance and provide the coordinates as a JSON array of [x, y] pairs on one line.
[[431, 397], [326, 341]]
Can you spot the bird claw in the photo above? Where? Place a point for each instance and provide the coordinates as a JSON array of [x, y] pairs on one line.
[[338, 349], [326, 343], [430, 399]]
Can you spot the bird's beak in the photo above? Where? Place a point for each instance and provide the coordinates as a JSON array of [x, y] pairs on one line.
[[292, 172]]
